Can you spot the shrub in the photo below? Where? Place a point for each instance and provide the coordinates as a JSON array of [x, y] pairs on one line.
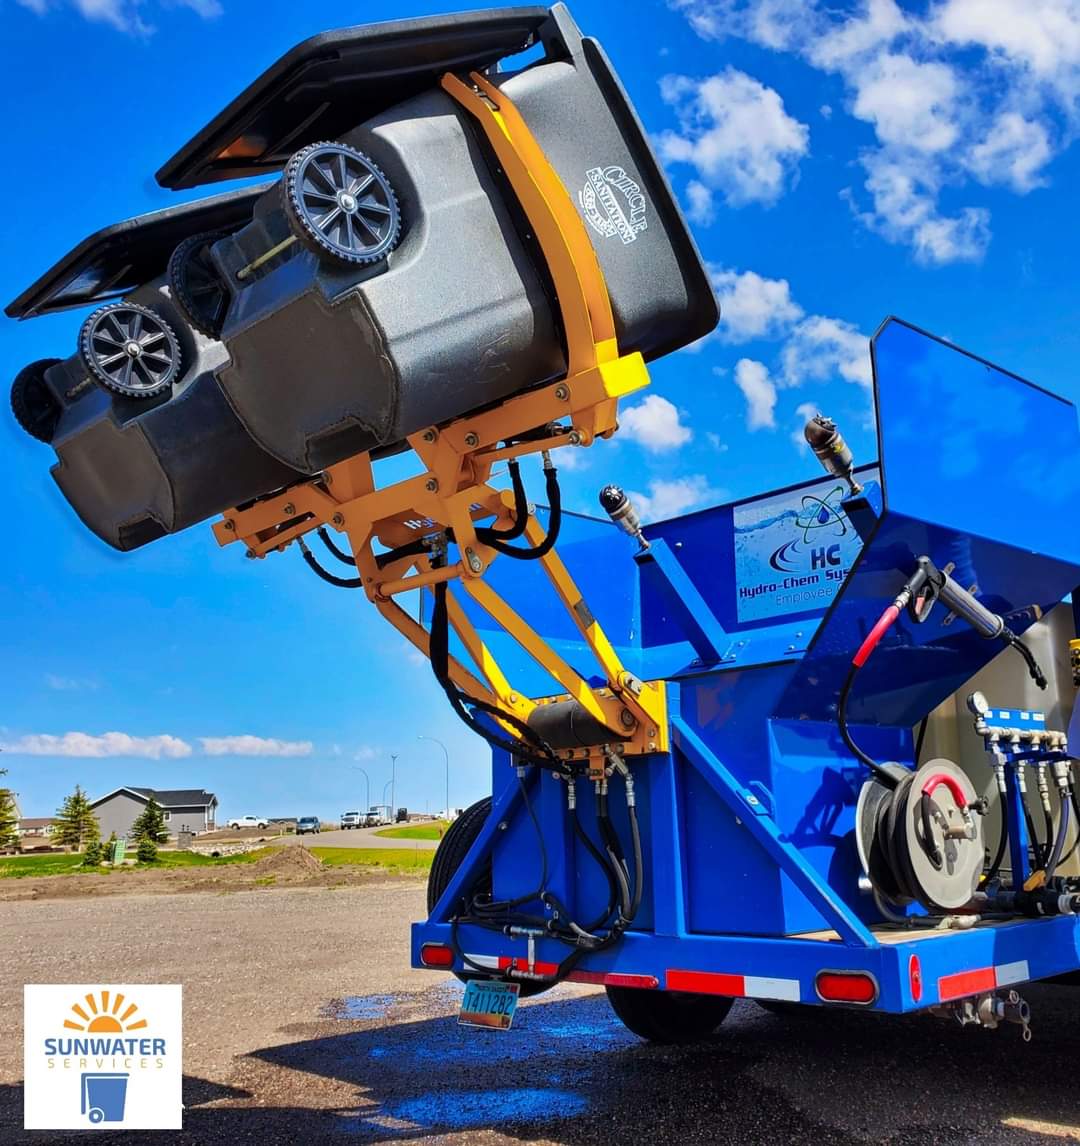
[[147, 852], [92, 857]]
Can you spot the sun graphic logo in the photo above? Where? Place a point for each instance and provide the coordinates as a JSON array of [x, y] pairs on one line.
[[101, 1019], [102, 1055]]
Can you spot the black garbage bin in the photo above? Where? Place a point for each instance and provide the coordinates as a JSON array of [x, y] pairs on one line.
[[388, 279]]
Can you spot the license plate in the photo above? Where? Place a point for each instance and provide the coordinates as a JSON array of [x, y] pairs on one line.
[[489, 1004]]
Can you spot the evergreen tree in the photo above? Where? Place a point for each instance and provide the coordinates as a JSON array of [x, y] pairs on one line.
[[150, 824], [9, 821], [75, 822], [92, 856], [147, 851]]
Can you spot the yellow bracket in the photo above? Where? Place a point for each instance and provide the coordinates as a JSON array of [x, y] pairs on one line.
[[453, 492]]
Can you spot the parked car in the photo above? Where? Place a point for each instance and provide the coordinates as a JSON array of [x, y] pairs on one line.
[[249, 822], [352, 820], [403, 815], [308, 824]]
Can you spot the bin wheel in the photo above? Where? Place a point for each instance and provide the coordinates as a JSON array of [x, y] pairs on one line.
[[96, 1114], [32, 402], [130, 350], [197, 288], [449, 855], [668, 1016], [338, 203]]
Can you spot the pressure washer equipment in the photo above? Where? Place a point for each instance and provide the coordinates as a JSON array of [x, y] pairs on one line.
[[832, 451]]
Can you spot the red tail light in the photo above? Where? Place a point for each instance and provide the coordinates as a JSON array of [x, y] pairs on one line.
[[436, 955], [857, 987]]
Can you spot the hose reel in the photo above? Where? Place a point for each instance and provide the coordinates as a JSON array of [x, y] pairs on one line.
[[922, 840]]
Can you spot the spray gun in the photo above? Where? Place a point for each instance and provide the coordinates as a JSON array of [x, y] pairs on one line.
[[832, 451], [621, 510]]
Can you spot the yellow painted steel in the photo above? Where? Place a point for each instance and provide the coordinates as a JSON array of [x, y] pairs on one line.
[[452, 493]]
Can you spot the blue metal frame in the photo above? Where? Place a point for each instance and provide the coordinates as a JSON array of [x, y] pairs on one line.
[[748, 822]]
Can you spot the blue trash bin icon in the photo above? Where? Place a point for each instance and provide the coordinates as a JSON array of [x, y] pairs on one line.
[[103, 1097]]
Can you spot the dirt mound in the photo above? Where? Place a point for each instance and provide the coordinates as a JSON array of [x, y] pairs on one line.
[[287, 861]]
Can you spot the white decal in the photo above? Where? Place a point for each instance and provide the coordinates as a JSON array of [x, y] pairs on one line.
[[603, 209]]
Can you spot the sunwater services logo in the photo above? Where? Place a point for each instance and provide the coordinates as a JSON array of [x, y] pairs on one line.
[[102, 1056]]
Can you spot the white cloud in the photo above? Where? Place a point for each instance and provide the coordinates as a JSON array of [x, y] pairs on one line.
[[654, 424], [125, 16], [670, 498], [823, 348], [366, 752], [70, 683], [1014, 152], [910, 104], [253, 746], [759, 390], [959, 93], [84, 744], [752, 306], [735, 133], [716, 442]]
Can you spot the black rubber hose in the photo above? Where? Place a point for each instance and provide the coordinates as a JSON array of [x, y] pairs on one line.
[[554, 495], [1033, 838], [841, 721], [331, 545], [521, 510], [639, 864], [1003, 839], [605, 867], [1076, 817], [919, 739], [325, 574]]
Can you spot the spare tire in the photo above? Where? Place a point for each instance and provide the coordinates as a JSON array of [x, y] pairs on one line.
[[449, 856]]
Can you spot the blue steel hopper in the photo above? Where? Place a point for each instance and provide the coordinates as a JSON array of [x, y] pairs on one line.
[[750, 612]]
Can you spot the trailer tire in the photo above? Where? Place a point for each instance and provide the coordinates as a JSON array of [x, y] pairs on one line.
[[449, 856], [668, 1017]]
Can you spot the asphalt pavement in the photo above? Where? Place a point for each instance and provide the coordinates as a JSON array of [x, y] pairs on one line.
[[304, 1023], [355, 838]]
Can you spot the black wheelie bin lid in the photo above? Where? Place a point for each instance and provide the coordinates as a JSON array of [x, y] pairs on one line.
[[116, 260], [329, 83]]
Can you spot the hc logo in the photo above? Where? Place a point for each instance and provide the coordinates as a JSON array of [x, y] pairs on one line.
[[823, 556]]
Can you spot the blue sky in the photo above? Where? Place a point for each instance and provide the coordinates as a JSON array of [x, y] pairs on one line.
[[839, 163]]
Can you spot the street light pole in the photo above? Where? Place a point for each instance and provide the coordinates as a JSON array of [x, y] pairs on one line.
[[447, 757], [393, 785], [367, 787]]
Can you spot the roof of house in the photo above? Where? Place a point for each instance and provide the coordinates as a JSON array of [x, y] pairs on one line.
[[171, 798], [31, 823]]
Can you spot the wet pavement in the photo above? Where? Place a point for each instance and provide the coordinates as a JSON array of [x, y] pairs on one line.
[[394, 1066]]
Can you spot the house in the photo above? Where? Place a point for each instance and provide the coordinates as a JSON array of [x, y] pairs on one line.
[[185, 809], [35, 825]]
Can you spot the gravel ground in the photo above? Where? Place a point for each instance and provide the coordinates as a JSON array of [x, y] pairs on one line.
[[303, 1023]]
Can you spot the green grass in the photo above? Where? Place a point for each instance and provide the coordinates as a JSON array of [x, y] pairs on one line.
[[57, 863], [391, 859], [430, 831]]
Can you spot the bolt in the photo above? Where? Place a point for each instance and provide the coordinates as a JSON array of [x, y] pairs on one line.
[[503, 825], [627, 718], [290, 509], [429, 435], [475, 564], [652, 733], [652, 747], [753, 801], [513, 698], [328, 478], [472, 441], [338, 519], [250, 554], [431, 485], [574, 438], [562, 392], [230, 525]]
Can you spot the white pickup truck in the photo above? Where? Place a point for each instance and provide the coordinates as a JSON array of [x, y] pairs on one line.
[[248, 822], [352, 819]]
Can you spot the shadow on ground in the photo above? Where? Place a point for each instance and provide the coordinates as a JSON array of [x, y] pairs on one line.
[[569, 1073]]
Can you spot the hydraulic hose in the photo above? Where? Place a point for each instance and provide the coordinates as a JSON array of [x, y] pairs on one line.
[[325, 574], [1059, 843], [331, 545], [554, 496]]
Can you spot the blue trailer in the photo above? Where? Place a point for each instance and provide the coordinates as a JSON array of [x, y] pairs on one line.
[[753, 881]]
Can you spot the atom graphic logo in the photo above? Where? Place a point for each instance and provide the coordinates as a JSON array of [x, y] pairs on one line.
[[822, 513]]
